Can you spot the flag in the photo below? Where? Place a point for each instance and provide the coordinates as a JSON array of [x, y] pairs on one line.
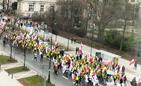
[[132, 61], [80, 52], [81, 46], [107, 62], [138, 81]]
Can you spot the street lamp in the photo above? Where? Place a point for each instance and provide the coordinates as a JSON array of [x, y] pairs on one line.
[[52, 26], [24, 53], [44, 77], [11, 48]]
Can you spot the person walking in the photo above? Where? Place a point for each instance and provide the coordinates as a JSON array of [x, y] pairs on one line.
[[123, 70], [76, 80], [35, 55], [41, 57], [4, 41], [135, 65]]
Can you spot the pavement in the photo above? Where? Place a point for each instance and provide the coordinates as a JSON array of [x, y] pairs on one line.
[[6, 80], [40, 67], [24, 74], [11, 65]]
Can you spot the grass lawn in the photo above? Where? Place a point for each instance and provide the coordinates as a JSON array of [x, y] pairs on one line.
[[6, 60], [17, 69], [34, 81]]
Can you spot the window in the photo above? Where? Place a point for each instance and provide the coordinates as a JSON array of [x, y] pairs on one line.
[[41, 8], [31, 7], [132, 0]]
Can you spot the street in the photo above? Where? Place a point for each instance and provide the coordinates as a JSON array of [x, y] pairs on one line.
[[41, 68]]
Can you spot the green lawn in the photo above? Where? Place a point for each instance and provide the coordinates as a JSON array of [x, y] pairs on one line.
[[6, 60], [17, 69], [34, 81]]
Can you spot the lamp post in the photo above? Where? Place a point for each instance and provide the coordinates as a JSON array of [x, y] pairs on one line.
[[52, 27], [24, 53], [50, 61], [43, 68], [11, 48]]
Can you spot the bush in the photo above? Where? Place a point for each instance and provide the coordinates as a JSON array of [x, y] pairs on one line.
[[113, 39]]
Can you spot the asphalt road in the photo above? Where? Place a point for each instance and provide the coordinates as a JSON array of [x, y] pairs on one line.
[[42, 68]]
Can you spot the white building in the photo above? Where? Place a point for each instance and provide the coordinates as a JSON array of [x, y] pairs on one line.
[[28, 7]]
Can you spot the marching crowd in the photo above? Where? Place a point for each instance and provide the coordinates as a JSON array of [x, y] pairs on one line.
[[84, 69]]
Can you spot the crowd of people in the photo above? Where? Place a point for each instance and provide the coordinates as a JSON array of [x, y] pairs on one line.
[[83, 69]]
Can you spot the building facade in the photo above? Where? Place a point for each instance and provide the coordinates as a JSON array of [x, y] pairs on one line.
[[28, 7], [134, 1]]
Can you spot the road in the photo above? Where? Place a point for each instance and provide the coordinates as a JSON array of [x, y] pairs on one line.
[[39, 67]]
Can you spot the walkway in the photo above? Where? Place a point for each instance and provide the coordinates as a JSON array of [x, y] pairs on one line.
[[40, 67], [6, 80]]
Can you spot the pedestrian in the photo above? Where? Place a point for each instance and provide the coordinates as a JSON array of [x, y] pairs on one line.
[[35, 55], [76, 80], [62, 52], [4, 41], [123, 69], [76, 51], [121, 80], [55, 68], [124, 79], [41, 57], [86, 80], [135, 65], [133, 82]]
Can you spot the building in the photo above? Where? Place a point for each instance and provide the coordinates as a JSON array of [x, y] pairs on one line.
[[28, 7], [7, 3], [134, 1]]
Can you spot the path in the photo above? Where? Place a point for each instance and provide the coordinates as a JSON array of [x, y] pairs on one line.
[[40, 68], [6, 80], [24, 74]]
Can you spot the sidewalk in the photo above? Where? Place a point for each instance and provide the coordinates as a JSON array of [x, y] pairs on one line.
[[6, 80], [24, 74], [11, 65], [40, 68]]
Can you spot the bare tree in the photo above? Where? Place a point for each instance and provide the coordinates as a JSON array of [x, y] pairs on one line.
[[104, 11]]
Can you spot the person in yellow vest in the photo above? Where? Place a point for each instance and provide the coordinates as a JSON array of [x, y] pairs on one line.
[[77, 80]]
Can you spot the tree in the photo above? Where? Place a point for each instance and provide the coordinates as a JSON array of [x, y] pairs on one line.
[[129, 14], [14, 6], [70, 13], [38, 17], [104, 11]]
